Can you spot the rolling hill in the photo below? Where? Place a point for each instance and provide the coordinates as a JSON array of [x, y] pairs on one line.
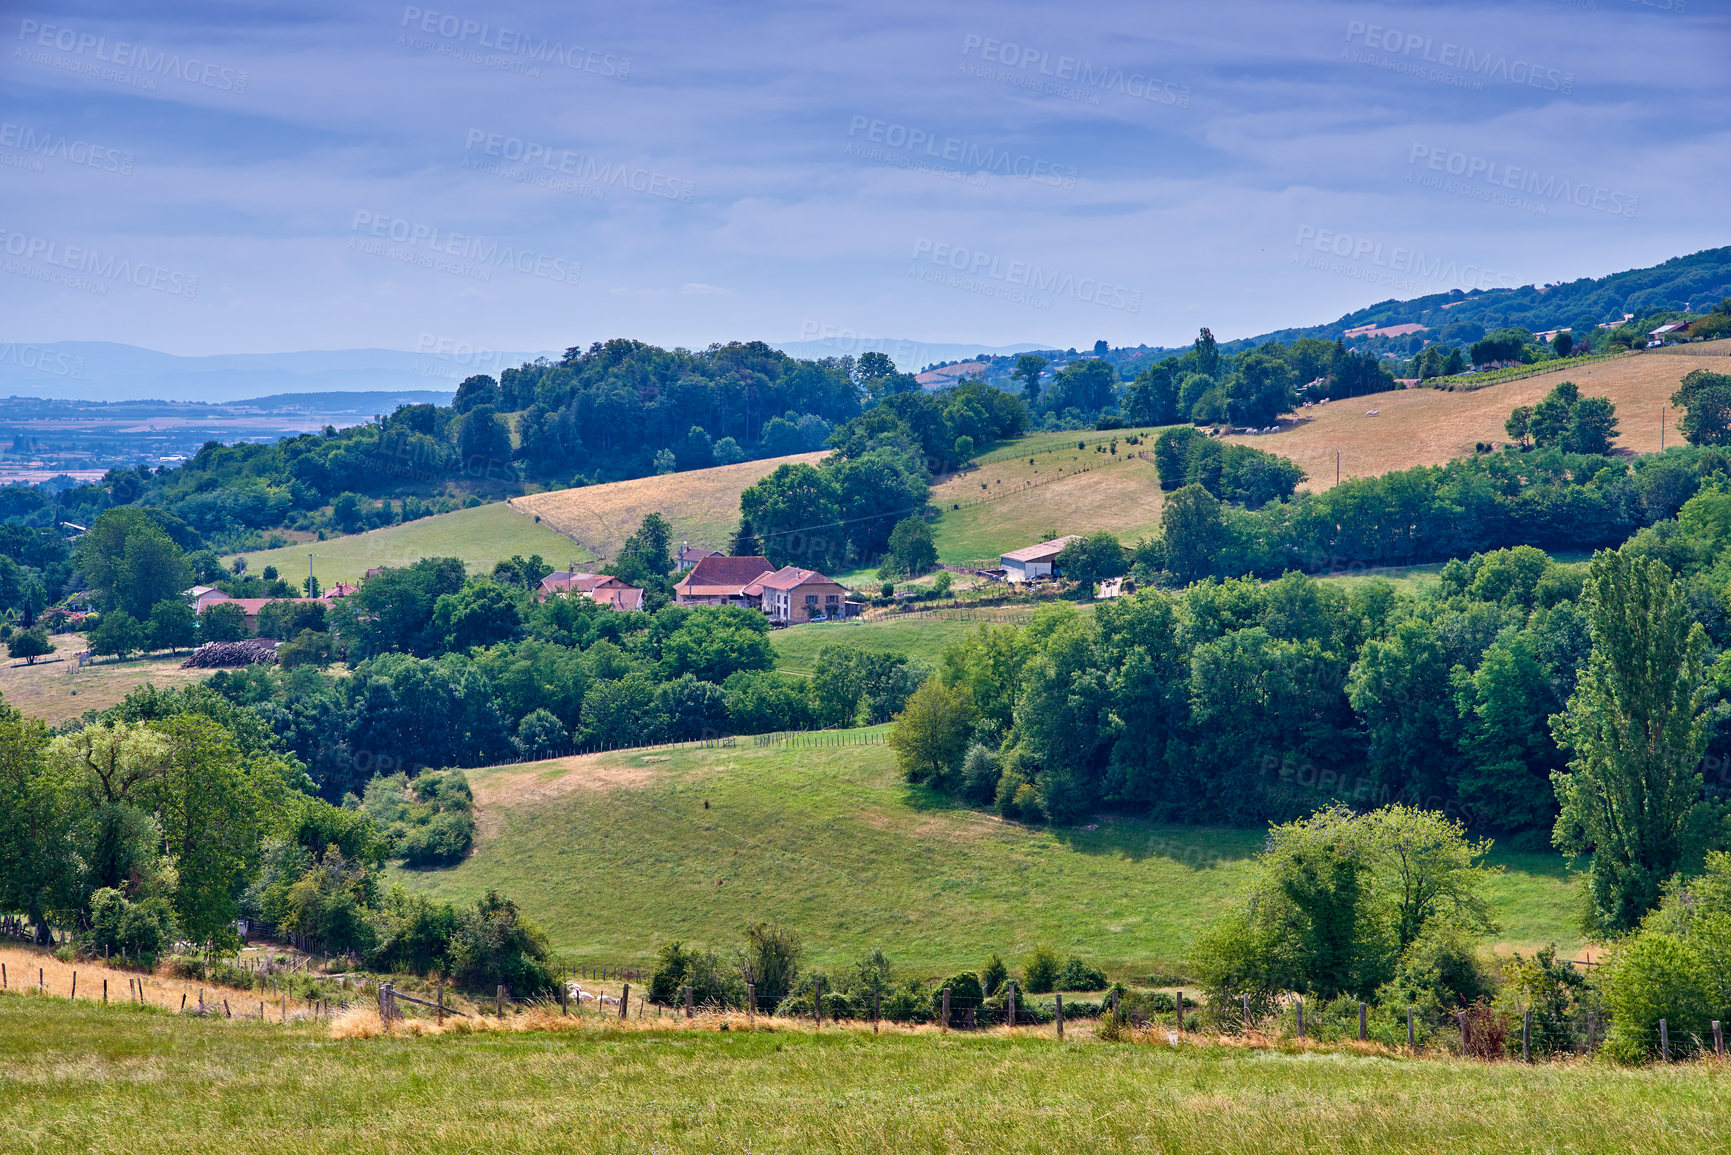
[[701, 504], [480, 536], [616, 853]]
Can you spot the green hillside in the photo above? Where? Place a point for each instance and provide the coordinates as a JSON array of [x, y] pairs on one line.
[[480, 536], [615, 854]]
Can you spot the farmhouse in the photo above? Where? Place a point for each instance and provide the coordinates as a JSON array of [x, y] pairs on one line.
[[603, 589], [203, 597], [791, 594], [690, 555], [1033, 562], [721, 581]]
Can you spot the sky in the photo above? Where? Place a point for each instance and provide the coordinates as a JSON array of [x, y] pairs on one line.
[[254, 177]]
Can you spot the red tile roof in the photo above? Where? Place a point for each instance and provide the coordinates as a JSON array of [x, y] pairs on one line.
[[791, 577], [723, 576]]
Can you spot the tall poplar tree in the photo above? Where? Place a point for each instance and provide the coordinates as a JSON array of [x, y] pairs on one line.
[[1636, 726]]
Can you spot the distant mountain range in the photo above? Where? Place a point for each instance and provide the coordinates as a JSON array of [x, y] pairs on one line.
[[106, 371]]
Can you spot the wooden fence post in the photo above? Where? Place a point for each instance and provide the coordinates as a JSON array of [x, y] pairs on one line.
[[750, 1004], [876, 995], [441, 1008], [1012, 1006], [1301, 1018], [75, 985], [688, 1007], [564, 996], [1059, 1007], [624, 1001], [944, 1023], [1411, 1039], [817, 1002], [499, 1001], [1718, 1040], [1178, 1010], [1246, 998], [1361, 1023], [1527, 1037], [1664, 1042]]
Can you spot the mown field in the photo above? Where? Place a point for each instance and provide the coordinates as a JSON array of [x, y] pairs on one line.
[[701, 504], [923, 637], [617, 853], [1431, 426], [58, 691], [1044, 486], [85, 1078], [481, 537]]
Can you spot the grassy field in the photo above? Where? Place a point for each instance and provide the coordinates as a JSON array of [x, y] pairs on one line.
[[1033, 501], [617, 853], [59, 691], [701, 504], [1430, 426], [480, 536], [84, 1078], [923, 637]]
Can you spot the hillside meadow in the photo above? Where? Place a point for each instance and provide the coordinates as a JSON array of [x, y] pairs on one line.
[[617, 853], [481, 536], [88, 1078], [1431, 426], [702, 505]]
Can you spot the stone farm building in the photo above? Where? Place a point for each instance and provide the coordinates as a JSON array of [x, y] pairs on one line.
[[1033, 562]]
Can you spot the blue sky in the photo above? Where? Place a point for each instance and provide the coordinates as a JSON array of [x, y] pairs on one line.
[[223, 178]]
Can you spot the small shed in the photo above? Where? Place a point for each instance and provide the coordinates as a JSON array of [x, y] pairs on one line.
[[1033, 562]]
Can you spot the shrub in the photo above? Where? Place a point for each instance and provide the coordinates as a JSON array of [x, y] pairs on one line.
[[444, 841], [1077, 975], [979, 775], [1040, 975], [120, 926], [309, 648], [966, 992], [495, 945], [1656, 976], [993, 975]]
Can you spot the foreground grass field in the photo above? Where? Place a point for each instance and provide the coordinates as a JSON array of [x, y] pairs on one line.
[[615, 854], [481, 537], [84, 1078]]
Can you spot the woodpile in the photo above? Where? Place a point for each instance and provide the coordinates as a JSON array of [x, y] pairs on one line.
[[246, 652]]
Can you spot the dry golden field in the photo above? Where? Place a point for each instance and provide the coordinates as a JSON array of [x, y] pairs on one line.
[[1052, 496], [57, 692], [702, 505], [1429, 426]]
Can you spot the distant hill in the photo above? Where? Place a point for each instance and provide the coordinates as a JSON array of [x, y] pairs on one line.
[[108, 371]]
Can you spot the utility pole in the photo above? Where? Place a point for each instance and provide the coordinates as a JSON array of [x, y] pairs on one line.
[[312, 585]]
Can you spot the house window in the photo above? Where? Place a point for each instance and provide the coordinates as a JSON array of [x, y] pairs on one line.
[[829, 598], [811, 599]]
